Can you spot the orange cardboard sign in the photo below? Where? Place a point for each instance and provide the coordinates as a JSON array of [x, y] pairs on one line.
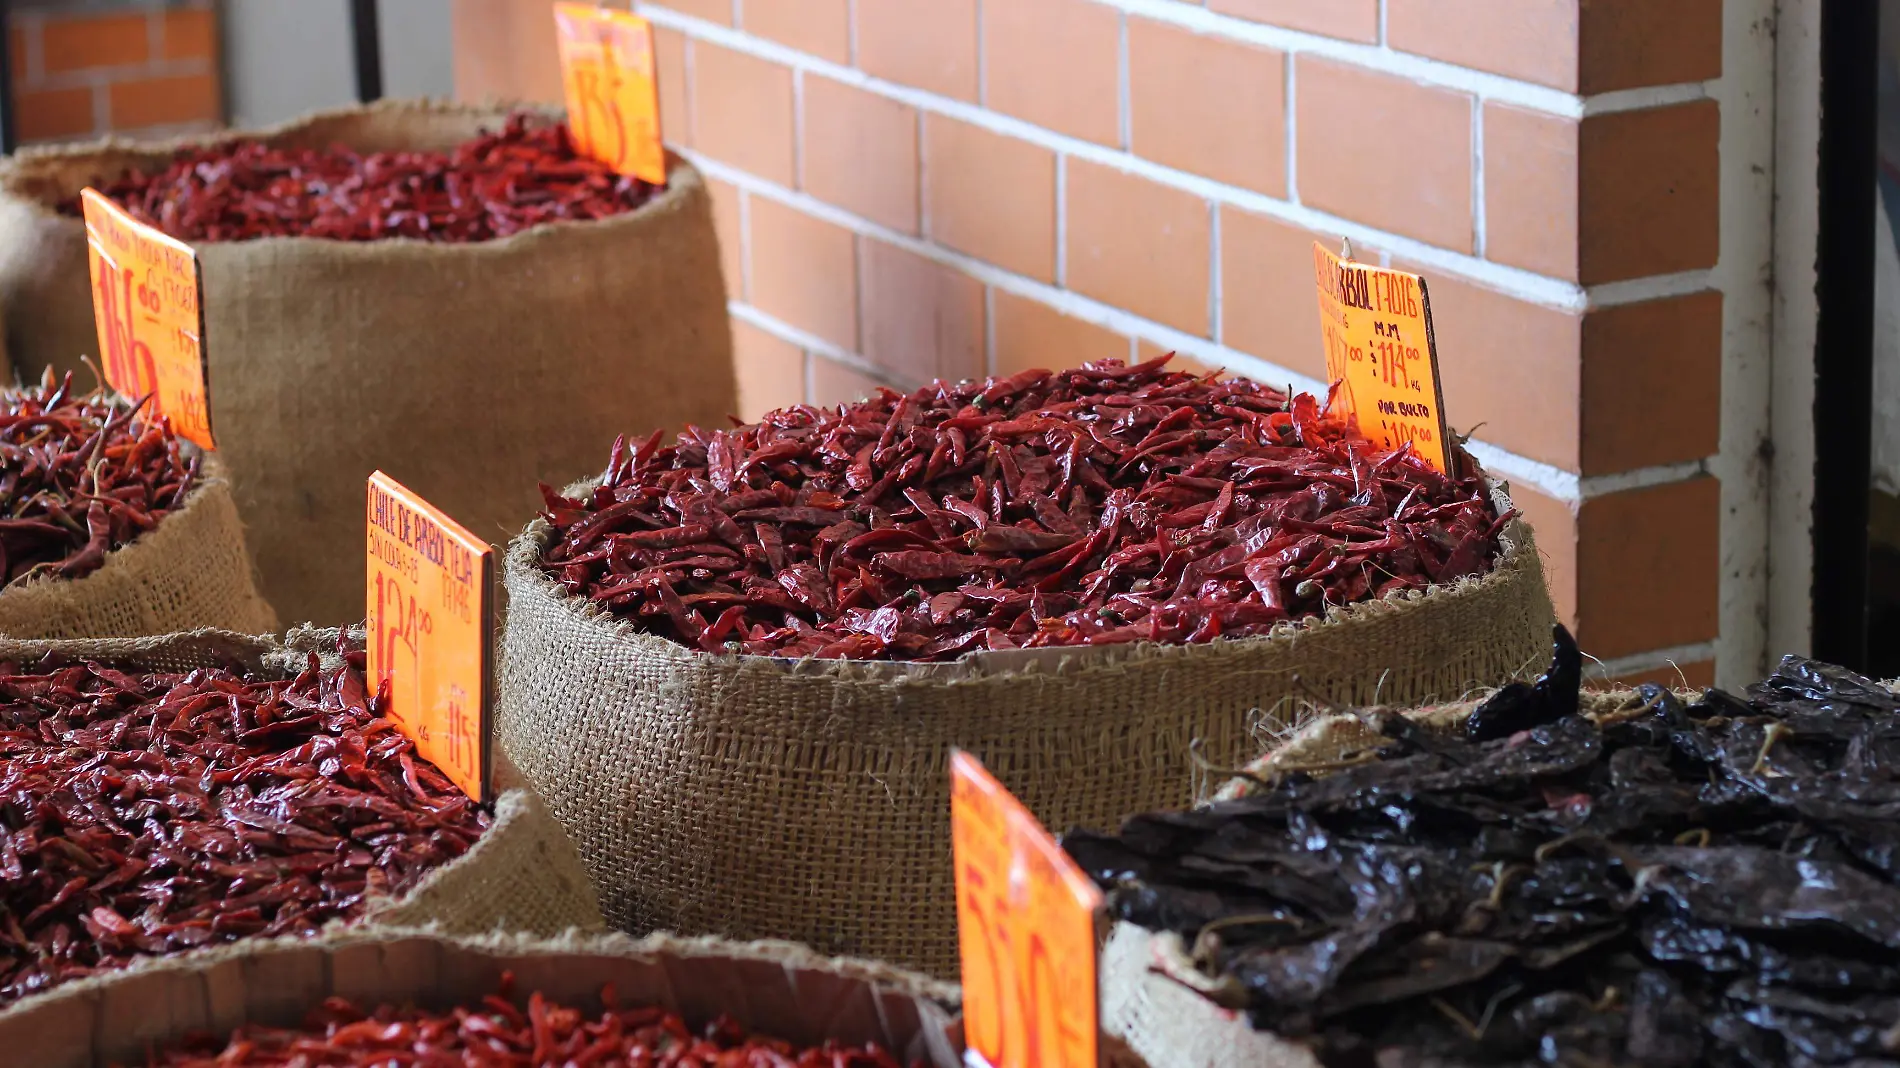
[[613, 99], [1380, 354], [1026, 929], [431, 630], [147, 303]]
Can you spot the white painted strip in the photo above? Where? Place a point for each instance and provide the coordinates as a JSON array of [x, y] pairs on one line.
[[1650, 661], [1547, 479], [1655, 287], [1658, 96], [1643, 478]]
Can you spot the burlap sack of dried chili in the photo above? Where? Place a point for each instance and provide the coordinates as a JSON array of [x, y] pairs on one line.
[[767, 796], [562, 997], [468, 369], [240, 787]]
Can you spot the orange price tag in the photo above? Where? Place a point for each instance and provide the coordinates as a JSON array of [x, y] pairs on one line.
[[1376, 324], [431, 630], [613, 99], [1026, 929], [147, 302]]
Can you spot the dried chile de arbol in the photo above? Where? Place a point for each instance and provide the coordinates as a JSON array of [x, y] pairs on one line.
[[494, 1032], [1097, 505], [81, 476], [150, 813], [492, 186], [1716, 883]]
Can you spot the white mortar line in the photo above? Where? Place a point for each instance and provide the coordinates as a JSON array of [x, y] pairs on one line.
[[851, 31], [982, 60], [1511, 281], [1127, 89], [1655, 287], [989, 330], [1292, 122], [1062, 220], [798, 127], [1215, 308], [1642, 478], [95, 77], [1657, 96], [1382, 23], [1547, 479], [745, 243], [1478, 230], [1650, 661]]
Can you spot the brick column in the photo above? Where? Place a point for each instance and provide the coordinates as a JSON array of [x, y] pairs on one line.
[[909, 188], [144, 68]]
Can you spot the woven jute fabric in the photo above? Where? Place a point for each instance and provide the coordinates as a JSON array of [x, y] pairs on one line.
[[769, 988], [189, 571], [753, 797], [469, 372]]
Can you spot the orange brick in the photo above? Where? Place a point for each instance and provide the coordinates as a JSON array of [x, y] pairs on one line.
[[742, 111], [1354, 20], [930, 44], [669, 60], [1695, 675], [804, 272], [1121, 229], [1649, 192], [190, 33], [719, 11], [1631, 43], [80, 41], [1185, 92], [922, 320], [1535, 40], [771, 371], [49, 114], [820, 27], [504, 50], [1385, 150], [1643, 359], [1030, 334], [1530, 190], [1268, 305], [164, 101], [1648, 568], [834, 383], [1056, 63], [991, 196], [861, 152], [729, 223], [1553, 526], [17, 43]]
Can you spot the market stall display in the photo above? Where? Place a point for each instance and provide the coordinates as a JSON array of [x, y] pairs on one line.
[[113, 526], [163, 794], [718, 669], [439, 291], [1547, 878]]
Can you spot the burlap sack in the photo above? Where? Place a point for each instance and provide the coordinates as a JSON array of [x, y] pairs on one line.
[[188, 572], [776, 989], [752, 797], [469, 372], [522, 875]]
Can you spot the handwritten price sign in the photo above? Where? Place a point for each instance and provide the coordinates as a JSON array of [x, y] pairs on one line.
[[431, 630], [1377, 327], [147, 303], [1026, 929], [613, 99]]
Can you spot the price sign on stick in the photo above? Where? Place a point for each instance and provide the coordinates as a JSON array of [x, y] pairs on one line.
[[431, 630], [613, 100], [1376, 324], [147, 292], [1026, 929]]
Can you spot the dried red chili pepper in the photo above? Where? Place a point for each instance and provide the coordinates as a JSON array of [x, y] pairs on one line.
[[495, 1032], [492, 186], [1091, 506], [145, 814], [81, 476]]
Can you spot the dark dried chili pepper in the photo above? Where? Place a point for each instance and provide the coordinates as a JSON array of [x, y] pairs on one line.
[[145, 814], [1092, 506], [81, 476], [492, 186], [496, 1032]]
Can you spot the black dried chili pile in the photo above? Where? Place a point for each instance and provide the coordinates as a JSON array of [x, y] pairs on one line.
[[1715, 883], [494, 1032], [147, 814], [495, 185], [81, 476], [1091, 506]]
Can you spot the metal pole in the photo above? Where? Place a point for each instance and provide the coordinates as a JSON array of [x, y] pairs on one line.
[[9, 132], [366, 36]]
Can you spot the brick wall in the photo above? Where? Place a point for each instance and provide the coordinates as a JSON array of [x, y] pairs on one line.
[[909, 188], [144, 69]]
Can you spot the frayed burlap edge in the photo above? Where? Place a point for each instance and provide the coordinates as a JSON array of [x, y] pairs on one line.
[[190, 571], [775, 988]]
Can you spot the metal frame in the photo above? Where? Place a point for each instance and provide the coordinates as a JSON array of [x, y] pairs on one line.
[[366, 39], [9, 132]]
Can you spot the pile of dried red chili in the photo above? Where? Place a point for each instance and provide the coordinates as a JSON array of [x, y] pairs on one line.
[[1091, 506], [495, 1032], [493, 186], [80, 477], [146, 814]]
